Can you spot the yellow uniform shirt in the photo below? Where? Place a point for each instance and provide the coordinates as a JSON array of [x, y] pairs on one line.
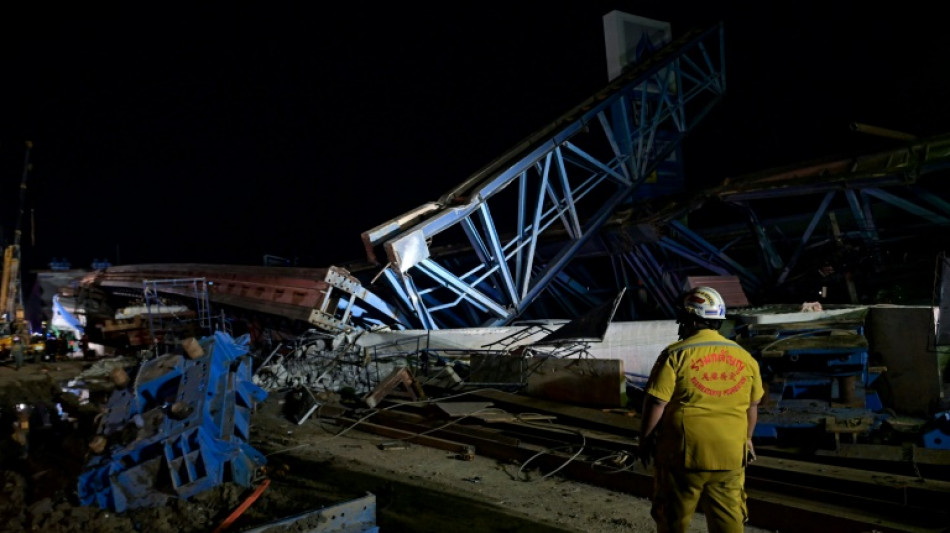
[[709, 382]]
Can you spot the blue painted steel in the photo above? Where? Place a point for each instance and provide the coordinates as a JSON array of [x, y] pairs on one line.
[[908, 206], [190, 419], [805, 382], [621, 146], [698, 258], [765, 431], [859, 180], [941, 204], [833, 362], [872, 401], [771, 260], [806, 236], [748, 278], [938, 436], [803, 388], [572, 175], [861, 211], [649, 270]]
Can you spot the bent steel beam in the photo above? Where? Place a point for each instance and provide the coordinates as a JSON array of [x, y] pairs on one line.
[[859, 195], [330, 298], [571, 176]]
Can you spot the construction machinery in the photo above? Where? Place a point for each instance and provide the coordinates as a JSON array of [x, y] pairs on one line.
[[13, 323]]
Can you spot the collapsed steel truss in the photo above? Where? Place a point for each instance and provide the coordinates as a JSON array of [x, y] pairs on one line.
[[792, 221], [583, 209], [181, 428], [558, 187]]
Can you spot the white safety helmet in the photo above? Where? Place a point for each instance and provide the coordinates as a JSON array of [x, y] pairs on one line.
[[704, 302]]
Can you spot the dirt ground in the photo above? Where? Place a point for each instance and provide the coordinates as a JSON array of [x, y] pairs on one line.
[[309, 466]]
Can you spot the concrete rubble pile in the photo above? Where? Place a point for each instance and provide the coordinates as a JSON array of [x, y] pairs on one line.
[[319, 363]]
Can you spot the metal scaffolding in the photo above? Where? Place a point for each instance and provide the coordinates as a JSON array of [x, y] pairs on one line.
[[162, 318]]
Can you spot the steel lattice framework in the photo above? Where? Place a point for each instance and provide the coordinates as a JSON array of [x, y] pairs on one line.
[[531, 212], [858, 209], [594, 204]]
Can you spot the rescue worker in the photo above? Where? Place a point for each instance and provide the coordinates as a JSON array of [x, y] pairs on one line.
[[62, 346], [84, 346], [699, 413], [21, 429], [17, 351]]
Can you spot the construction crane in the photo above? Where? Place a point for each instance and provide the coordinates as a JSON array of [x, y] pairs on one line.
[[13, 318]]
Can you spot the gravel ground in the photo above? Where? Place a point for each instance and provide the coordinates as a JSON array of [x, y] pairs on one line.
[[309, 466], [500, 493]]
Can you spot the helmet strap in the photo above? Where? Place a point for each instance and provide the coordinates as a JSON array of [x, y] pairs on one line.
[[690, 324]]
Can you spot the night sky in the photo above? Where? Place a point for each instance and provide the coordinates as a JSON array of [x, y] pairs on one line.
[[223, 136]]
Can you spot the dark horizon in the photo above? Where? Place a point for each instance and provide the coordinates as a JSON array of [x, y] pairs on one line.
[[210, 143]]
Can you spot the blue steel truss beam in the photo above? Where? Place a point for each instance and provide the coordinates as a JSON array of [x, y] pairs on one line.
[[861, 211], [648, 269], [806, 236], [908, 206], [572, 176], [714, 254], [865, 185]]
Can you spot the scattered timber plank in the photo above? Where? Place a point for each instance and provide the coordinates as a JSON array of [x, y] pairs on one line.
[[515, 434], [576, 415], [122, 325], [779, 510], [906, 491], [912, 455], [421, 424], [478, 442], [593, 438], [504, 416], [772, 347], [457, 409], [463, 450], [398, 378], [783, 512], [476, 410], [784, 495]]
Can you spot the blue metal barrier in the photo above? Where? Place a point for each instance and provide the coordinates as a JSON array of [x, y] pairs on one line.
[[937, 437], [180, 429]]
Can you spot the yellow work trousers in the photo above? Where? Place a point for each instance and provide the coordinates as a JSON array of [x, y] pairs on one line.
[[720, 494]]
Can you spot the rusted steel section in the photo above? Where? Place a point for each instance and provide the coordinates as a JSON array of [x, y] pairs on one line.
[[802, 504], [784, 494], [577, 415], [345, 297], [278, 289], [886, 489], [474, 436], [730, 287], [325, 297], [464, 450], [782, 512], [899, 166], [413, 422], [782, 506]]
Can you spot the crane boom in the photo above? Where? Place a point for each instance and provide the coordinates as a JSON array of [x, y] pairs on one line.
[[11, 293]]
